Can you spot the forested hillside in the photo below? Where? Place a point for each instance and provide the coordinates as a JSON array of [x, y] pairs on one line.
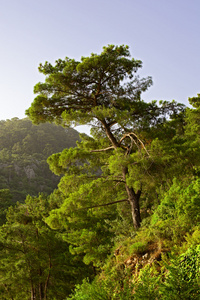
[[24, 149], [124, 220]]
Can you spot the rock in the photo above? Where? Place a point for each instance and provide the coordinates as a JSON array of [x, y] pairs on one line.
[[30, 173]]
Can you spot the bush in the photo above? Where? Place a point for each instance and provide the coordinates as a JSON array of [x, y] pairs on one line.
[[138, 248], [90, 291], [183, 279]]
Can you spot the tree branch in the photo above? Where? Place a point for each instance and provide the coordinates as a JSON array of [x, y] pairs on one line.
[[112, 123], [101, 150], [132, 140], [106, 204]]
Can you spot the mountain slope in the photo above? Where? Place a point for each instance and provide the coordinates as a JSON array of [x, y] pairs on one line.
[[24, 149]]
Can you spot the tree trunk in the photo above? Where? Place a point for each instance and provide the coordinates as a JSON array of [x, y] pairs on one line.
[[41, 291], [48, 277], [109, 134], [135, 207], [33, 294], [133, 199]]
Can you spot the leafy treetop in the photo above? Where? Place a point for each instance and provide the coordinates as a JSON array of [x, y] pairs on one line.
[[80, 88]]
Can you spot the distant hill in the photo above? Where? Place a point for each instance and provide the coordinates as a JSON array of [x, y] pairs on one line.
[[24, 149]]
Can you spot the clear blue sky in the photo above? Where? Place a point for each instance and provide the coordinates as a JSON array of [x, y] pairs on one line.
[[164, 34]]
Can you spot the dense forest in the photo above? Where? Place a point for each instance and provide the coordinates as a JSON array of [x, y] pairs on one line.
[[123, 221], [24, 149]]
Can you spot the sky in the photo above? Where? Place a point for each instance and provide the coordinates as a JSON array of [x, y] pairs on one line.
[[164, 34]]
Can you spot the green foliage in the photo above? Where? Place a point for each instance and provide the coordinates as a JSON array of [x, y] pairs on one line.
[[146, 286], [85, 223], [24, 149], [142, 161], [192, 240], [34, 260], [138, 248], [178, 279], [193, 118], [121, 289], [103, 91], [5, 202], [183, 279], [74, 90], [90, 291], [178, 212]]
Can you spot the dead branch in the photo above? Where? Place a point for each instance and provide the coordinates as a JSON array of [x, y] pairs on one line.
[[133, 141], [101, 150]]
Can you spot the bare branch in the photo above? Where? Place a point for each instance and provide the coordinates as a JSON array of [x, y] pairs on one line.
[[140, 142], [123, 138], [101, 150], [132, 140]]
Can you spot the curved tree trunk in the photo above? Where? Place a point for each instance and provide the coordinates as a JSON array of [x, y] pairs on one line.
[[133, 197]]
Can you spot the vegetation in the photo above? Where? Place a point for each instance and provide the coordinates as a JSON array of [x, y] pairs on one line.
[[123, 222], [24, 149]]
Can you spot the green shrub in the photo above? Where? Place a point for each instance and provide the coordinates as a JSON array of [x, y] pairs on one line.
[[183, 279], [90, 291], [177, 213], [147, 285], [138, 248]]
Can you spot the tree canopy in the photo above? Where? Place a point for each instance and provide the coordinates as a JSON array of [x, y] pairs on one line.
[[104, 91], [76, 91]]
